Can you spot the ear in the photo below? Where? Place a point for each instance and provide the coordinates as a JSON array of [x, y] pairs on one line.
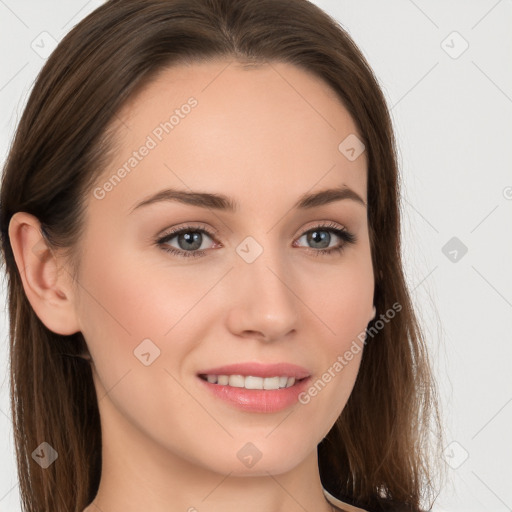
[[374, 312], [47, 283]]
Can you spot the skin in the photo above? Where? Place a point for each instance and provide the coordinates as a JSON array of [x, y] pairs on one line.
[[262, 136]]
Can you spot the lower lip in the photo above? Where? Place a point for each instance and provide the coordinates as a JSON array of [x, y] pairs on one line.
[[258, 400]]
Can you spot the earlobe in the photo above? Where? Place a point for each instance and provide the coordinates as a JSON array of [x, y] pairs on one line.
[[374, 312], [46, 285]]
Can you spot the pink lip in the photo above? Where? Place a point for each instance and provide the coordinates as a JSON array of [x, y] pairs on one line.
[[258, 400], [259, 370]]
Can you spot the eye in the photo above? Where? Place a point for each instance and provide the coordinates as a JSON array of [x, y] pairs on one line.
[[321, 236], [190, 239]]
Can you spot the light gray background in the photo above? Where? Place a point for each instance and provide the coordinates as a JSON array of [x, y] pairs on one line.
[[451, 113]]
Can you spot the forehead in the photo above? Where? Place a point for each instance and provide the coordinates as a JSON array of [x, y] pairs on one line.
[[267, 132]]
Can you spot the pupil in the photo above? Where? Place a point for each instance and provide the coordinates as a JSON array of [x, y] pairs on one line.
[[319, 237], [193, 240]]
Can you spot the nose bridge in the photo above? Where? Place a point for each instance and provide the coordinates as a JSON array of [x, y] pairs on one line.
[[264, 285], [264, 261]]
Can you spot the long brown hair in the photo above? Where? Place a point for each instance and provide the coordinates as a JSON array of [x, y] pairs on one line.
[[376, 456]]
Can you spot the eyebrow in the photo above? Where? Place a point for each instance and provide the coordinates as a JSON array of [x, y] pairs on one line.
[[222, 202]]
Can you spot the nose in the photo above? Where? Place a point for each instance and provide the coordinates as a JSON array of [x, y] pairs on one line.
[[265, 303]]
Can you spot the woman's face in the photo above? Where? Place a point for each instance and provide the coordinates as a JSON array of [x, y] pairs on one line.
[[246, 282]]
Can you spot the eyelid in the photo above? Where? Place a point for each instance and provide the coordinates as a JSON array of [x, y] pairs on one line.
[[189, 227], [322, 224]]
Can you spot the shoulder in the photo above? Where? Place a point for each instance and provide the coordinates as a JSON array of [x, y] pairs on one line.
[[389, 506], [345, 507]]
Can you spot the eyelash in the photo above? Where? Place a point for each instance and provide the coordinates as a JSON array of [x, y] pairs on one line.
[[346, 236]]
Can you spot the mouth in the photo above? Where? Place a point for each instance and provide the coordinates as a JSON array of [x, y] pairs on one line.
[[255, 387], [252, 381]]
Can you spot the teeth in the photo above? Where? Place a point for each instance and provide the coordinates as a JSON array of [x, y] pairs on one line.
[[222, 379], [251, 382], [269, 383], [254, 383], [236, 381]]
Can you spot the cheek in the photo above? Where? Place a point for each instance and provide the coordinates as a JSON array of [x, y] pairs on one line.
[[119, 308], [126, 309], [342, 298], [126, 295], [135, 312]]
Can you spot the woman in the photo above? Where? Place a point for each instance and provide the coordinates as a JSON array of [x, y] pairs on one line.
[[200, 226]]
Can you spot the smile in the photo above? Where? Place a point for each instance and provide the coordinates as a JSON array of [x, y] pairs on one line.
[[250, 381]]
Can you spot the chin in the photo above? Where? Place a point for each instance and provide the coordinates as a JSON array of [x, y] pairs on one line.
[[250, 461]]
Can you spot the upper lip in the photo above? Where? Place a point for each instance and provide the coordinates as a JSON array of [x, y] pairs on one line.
[[259, 370]]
